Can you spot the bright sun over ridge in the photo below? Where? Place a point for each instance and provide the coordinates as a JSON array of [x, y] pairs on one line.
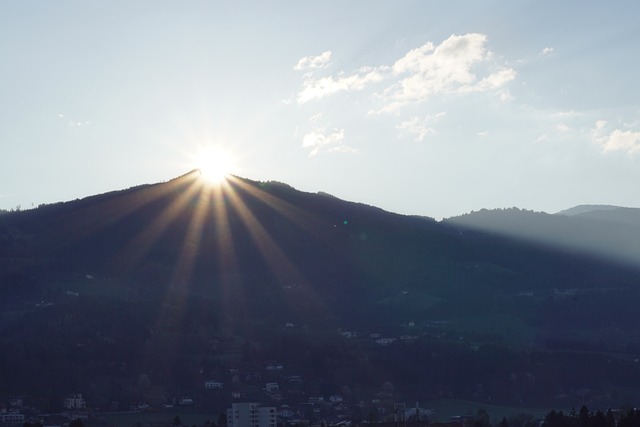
[[214, 165]]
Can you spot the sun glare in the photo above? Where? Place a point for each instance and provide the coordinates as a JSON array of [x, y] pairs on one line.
[[214, 165]]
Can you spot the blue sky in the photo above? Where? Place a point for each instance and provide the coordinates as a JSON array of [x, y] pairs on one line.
[[432, 108]]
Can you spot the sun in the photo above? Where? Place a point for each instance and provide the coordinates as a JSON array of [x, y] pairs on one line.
[[214, 165]]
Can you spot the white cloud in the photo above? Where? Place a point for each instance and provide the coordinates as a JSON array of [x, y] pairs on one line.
[[483, 133], [616, 140], [547, 50], [319, 88], [343, 149], [619, 140], [447, 68], [319, 140], [460, 64], [505, 96], [563, 127], [60, 115], [492, 81], [418, 127], [315, 118], [311, 62]]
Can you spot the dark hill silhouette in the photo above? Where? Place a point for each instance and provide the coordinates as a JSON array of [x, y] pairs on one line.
[[171, 279]]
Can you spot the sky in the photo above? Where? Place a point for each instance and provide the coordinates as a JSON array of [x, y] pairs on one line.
[[432, 108]]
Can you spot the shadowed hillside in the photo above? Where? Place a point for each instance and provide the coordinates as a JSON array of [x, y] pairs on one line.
[[605, 231], [181, 280]]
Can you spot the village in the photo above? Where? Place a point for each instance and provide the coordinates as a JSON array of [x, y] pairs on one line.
[[236, 396]]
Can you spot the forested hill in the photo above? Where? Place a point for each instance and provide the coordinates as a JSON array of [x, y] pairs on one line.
[[182, 279]]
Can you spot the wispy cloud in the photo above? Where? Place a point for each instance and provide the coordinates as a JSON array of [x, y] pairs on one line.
[[418, 127], [460, 64], [505, 96], [320, 140], [312, 62], [616, 140], [547, 50], [325, 86]]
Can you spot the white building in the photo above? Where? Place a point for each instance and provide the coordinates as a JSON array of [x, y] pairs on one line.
[[213, 385], [336, 398], [251, 415], [75, 401]]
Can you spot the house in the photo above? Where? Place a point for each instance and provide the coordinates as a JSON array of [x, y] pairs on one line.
[[213, 385], [274, 367], [185, 401], [336, 398], [285, 412], [12, 418], [251, 415], [74, 401], [271, 388]]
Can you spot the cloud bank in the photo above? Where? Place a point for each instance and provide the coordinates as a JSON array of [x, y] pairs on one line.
[[460, 64]]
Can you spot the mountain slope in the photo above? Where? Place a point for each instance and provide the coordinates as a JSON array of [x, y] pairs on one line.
[[172, 279], [605, 232]]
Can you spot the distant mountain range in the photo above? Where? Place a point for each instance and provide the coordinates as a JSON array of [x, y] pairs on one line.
[[181, 280], [605, 231]]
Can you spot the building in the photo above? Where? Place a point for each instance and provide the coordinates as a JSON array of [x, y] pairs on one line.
[[213, 385], [271, 388], [251, 415], [74, 401], [12, 418]]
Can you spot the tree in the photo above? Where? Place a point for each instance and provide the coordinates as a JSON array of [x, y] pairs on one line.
[[482, 419], [584, 416]]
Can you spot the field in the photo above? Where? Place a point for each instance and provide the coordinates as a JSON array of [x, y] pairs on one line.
[[444, 409]]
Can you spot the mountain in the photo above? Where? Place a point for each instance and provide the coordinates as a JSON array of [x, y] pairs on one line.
[[183, 281], [604, 231], [582, 209]]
